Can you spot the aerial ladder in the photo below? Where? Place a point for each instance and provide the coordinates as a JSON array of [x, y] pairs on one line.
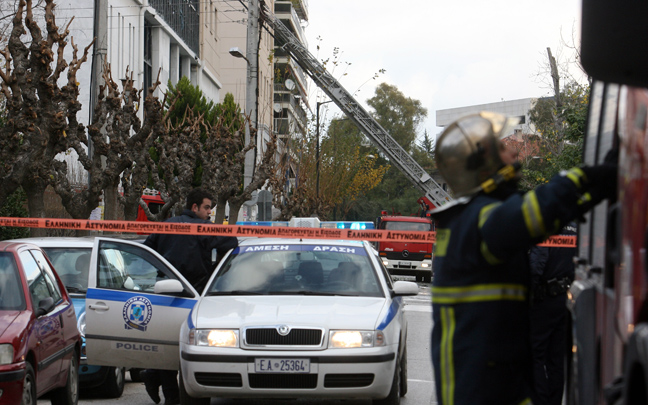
[[432, 191]]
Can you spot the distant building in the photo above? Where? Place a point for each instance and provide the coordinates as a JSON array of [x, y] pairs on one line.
[[513, 108]]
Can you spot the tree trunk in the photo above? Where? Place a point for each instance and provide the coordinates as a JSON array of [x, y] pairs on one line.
[[234, 212], [221, 204], [111, 203], [130, 211], [35, 191]]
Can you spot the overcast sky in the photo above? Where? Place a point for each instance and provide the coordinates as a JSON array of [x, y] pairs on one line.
[[444, 53]]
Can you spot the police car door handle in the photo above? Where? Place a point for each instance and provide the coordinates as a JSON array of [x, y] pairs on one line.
[[99, 307]]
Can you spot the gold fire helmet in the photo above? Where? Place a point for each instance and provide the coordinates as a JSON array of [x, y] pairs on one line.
[[467, 152]]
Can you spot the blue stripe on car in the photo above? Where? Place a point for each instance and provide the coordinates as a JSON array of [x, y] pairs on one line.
[[391, 313], [162, 300]]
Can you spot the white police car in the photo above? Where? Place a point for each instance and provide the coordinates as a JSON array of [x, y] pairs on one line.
[[283, 318], [302, 319]]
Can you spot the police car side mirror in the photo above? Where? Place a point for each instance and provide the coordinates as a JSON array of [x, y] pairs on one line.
[[168, 287], [405, 288]]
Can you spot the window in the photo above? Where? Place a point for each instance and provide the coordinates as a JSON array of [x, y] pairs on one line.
[[72, 265], [297, 269], [11, 292], [127, 267], [40, 287], [52, 284]]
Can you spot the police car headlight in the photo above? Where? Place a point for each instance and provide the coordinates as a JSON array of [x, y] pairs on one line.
[[6, 354], [214, 337], [344, 339], [81, 324]]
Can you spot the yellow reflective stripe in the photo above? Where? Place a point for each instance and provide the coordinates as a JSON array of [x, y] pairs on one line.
[[478, 293], [532, 215], [490, 258], [576, 175], [527, 401], [585, 198], [485, 212], [447, 358], [441, 243]]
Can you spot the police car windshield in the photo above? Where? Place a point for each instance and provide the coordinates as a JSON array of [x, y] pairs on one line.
[[297, 270]]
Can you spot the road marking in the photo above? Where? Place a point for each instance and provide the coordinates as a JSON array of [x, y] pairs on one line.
[[418, 308]]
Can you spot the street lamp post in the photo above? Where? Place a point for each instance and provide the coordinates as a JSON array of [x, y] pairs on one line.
[[317, 147]]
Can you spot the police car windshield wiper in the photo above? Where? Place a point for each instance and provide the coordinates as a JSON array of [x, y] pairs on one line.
[[308, 292], [71, 289], [235, 292]]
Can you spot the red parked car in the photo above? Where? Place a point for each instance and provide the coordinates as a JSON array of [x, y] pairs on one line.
[[39, 339]]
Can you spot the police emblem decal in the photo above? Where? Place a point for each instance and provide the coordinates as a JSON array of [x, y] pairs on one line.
[[137, 313]]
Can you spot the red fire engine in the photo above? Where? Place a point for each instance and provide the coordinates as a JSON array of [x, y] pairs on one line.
[[406, 258], [608, 299]]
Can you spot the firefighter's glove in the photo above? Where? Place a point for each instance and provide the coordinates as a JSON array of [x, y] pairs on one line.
[[595, 183], [601, 180]]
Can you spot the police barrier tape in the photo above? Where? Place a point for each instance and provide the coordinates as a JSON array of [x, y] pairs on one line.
[[223, 230], [560, 241], [376, 235]]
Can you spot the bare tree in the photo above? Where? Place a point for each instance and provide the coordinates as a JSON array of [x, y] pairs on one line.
[[41, 116]]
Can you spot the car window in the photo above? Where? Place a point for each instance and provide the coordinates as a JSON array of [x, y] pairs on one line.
[[39, 286], [297, 269], [407, 226], [127, 267], [11, 292], [52, 284], [385, 272], [72, 266]]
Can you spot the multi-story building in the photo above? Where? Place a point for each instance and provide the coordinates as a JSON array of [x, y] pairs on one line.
[[144, 38], [282, 85]]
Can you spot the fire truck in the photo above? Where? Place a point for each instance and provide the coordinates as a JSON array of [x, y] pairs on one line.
[[608, 298], [406, 258]]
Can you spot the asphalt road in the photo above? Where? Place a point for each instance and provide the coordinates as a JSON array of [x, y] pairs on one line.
[[418, 311]]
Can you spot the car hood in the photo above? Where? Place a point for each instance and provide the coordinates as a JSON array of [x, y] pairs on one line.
[[6, 319], [328, 312]]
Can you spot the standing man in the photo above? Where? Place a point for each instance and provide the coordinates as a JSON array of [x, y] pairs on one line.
[[552, 272], [192, 256], [480, 337]]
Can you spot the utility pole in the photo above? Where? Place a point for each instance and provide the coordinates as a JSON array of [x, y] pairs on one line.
[[251, 87], [100, 49]]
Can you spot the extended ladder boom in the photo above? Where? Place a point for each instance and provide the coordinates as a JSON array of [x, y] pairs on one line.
[[356, 113]]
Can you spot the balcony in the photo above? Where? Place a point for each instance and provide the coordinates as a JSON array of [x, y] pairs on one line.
[[183, 17], [291, 19], [300, 6]]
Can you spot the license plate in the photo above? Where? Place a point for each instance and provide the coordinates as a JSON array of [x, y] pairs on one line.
[[405, 264], [282, 365]]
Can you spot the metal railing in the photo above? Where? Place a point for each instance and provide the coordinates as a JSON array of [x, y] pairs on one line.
[[183, 16]]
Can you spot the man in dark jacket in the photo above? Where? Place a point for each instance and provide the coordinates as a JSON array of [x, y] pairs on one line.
[[480, 336], [552, 272], [192, 256]]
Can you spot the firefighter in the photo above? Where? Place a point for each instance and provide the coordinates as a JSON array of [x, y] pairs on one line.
[[480, 336], [552, 272]]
